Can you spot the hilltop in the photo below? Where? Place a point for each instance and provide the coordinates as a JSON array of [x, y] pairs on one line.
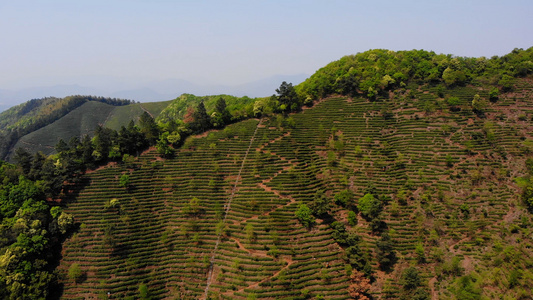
[[402, 175], [371, 74]]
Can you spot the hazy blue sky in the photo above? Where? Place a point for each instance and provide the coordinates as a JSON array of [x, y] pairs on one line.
[[231, 42]]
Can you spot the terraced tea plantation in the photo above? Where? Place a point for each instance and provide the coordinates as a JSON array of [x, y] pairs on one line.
[[218, 220]]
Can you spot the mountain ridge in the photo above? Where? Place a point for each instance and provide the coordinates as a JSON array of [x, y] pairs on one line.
[[160, 90]]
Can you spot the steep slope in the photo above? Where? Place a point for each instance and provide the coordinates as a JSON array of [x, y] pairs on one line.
[[122, 115], [82, 120], [245, 260], [38, 113], [39, 126], [219, 220], [410, 178]]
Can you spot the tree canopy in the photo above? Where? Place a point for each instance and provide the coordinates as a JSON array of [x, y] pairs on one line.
[[375, 72], [369, 206], [287, 97]]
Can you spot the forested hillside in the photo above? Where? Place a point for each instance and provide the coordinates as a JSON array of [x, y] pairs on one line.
[[38, 125], [385, 175], [83, 121], [38, 113], [373, 73]]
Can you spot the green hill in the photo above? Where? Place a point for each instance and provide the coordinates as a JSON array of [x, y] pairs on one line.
[[222, 215], [38, 113], [374, 73], [445, 181], [38, 125], [122, 115], [82, 120], [177, 110], [406, 175]]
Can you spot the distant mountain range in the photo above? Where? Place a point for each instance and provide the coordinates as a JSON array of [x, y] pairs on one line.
[[148, 92]]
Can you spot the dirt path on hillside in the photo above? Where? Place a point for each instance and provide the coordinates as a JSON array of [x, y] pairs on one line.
[[264, 186], [289, 262], [279, 138], [251, 252], [145, 110], [434, 293], [228, 208], [108, 165], [451, 247], [264, 182]]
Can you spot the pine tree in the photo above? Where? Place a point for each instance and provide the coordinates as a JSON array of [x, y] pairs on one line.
[[222, 110], [287, 97], [201, 122]]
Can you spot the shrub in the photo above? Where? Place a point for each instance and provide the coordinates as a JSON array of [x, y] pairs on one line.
[[369, 206], [359, 286], [352, 218], [332, 159], [420, 253], [321, 204], [494, 94], [305, 216], [466, 288], [75, 273], [453, 103], [453, 266], [65, 221], [385, 252], [344, 198], [410, 279]]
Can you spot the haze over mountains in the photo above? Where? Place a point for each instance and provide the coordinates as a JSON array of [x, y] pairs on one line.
[[146, 91]]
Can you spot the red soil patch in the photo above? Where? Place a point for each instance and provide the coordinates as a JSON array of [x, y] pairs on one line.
[[109, 165]]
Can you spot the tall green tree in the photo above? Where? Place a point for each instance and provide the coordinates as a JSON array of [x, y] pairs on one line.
[[385, 252], [87, 150], [369, 206], [287, 97], [131, 140], [144, 292], [103, 142], [344, 198], [411, 278], [29, 236], [124, 181], [149, 128], [305, 216], [321, 205], [23, 159], [201, 120], [222, 113], [61, 146], [37, 164], [163, 147], [75, 273]]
